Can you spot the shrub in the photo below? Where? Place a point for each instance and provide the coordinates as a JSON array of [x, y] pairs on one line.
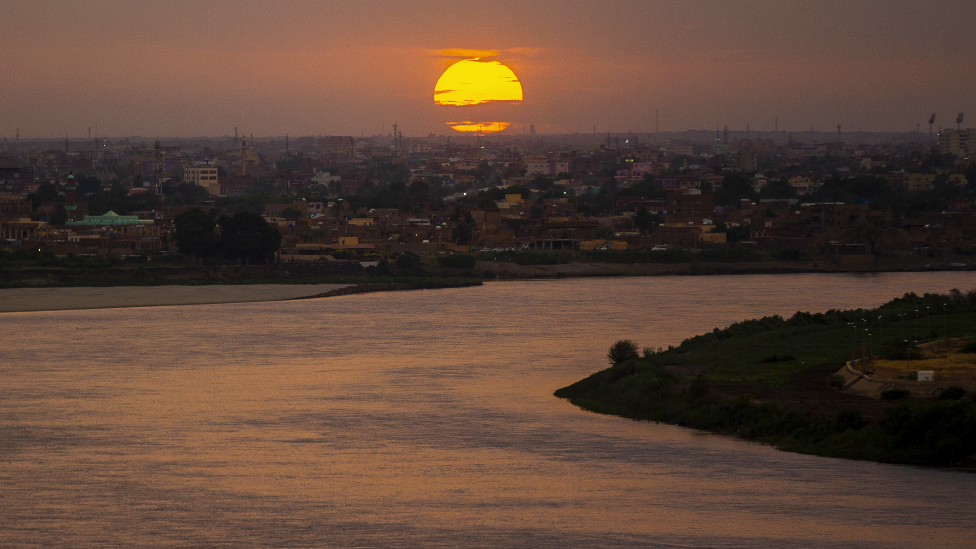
[[850, 419], [788, 254], [408, 261], [457, 261], [776, 358], [952, 393], [699, 387], [345, 254], [622, 351], [895, 394], [969, 347]]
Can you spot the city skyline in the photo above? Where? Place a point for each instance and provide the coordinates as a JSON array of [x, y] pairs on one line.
[[301, 68]]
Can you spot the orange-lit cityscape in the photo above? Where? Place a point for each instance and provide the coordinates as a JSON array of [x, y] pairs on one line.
[[436, 195], [549, 274]]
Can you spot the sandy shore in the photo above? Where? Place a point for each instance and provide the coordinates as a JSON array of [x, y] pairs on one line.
[[62, 299]]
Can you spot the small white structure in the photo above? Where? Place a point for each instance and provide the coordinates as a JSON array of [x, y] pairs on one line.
[[926, 376]]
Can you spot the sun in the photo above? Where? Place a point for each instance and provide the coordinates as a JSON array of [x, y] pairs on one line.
[[473, 82]]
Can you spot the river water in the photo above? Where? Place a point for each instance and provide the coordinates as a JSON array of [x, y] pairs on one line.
[[424, 419]]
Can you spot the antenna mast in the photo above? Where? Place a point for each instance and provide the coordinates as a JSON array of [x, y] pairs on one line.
[[158, 180]]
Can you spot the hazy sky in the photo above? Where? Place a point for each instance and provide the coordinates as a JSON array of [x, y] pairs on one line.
[[303, 67]]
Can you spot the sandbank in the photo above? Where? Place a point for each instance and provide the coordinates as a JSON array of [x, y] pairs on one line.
[[63, 299]]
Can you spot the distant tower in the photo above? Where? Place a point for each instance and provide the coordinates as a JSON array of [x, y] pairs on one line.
[[69, 198], [286, 144], [532, 129], [18, 134], [243, 157], [657, 121], [158, 180], [776, 124], [931, 121], [839, 138], [959, 121], [236, 138], [66, 143]]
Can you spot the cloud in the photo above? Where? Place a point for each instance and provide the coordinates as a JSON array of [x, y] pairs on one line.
[[465, 53]]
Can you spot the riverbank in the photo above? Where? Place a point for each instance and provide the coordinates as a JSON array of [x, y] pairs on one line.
[[65, 299], [771, 380], [75, 298], [483, 265]]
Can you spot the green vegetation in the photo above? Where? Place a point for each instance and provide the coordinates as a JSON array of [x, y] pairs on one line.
[[622, 351], [457, 261], [245, 236], [710, 381], [670, 256]]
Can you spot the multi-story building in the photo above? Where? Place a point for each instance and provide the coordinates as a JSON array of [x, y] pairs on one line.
[[205, 175], [958, 142]]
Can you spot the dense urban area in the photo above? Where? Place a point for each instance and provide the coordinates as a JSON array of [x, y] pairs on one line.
[[845, 199]]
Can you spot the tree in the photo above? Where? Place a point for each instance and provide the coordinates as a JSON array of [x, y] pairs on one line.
[[247, 237], [194, 234], [46, 192], [643, 220], [59, 216], [622, 351], [463, 230], [604, 232], [778, 188]]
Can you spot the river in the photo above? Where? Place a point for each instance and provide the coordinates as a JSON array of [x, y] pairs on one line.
[[424, 418]]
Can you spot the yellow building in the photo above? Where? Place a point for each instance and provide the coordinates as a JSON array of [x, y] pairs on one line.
[[958, 142], [204, 175]]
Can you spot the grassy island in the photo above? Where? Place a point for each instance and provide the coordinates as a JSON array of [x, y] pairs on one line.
[[772, 380]]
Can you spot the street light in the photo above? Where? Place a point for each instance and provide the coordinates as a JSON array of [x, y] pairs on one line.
[[908, 355], [853, 344], [928, 321], [916, 325], [864, 353], [945, 324], [880, 336]]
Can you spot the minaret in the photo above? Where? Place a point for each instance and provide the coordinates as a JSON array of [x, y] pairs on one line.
[[243, 157], [69, 198]]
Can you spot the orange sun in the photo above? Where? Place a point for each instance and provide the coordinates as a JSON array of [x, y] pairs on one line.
[[476, 82]]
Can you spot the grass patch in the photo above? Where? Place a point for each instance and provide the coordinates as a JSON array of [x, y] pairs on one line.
[[772, 350]]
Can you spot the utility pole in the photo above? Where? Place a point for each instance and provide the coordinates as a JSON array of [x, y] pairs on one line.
[[158, 179]]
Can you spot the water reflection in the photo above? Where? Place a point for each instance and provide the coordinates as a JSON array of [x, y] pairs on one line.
[[423, 418]]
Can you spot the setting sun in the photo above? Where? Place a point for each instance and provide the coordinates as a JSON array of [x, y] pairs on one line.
[[468, 126], [473, 82]]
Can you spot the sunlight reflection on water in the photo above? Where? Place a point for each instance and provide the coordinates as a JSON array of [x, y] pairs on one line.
[[423, 418]]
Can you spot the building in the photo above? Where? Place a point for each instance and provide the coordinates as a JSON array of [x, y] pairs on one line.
[[205, 175], [111, 218], [958, 142]]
